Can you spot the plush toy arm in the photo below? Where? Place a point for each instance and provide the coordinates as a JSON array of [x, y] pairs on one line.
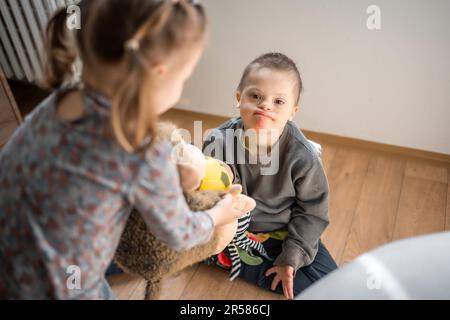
[[241, 201], [190, 177], [191, 165]]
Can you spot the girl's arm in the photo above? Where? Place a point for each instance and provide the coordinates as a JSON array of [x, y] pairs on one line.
[[156, 193]]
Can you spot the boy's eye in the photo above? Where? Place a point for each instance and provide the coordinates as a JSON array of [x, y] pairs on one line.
[[279, 102], [255, 96]]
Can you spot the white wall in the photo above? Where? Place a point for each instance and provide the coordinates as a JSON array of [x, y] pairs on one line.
[[390, 86]]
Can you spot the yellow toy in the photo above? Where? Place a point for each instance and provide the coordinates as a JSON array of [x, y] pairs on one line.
[[201, 173], [217, 176], [197, 171]]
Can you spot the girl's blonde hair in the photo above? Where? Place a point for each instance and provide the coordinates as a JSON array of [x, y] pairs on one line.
[[141, 32]]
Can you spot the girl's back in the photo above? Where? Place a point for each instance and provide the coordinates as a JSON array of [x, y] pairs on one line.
[[71, 173], [62, 183]]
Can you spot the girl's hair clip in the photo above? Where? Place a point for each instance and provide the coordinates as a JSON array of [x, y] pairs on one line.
[[132, 45], [193, 2]]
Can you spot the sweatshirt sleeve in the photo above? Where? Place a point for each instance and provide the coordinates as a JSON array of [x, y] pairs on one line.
[[309, 217], [156, 193]]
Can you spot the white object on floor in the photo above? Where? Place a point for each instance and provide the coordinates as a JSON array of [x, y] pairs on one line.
[[415, 268]]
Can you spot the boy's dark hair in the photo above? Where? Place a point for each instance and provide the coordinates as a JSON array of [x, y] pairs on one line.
[[276, 61]]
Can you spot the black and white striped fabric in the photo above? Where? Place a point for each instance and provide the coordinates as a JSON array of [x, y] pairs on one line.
[[241, 240]]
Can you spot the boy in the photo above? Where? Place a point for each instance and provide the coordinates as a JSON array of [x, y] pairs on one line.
[[280, 169]]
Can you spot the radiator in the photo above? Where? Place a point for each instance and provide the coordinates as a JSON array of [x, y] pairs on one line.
[[22, 27]]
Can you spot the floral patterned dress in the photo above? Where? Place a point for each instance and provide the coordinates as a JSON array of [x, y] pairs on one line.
[[66, 191]]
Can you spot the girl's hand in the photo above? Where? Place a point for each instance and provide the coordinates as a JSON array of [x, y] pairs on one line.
[[228, 209], [285, 274], [240, 201]]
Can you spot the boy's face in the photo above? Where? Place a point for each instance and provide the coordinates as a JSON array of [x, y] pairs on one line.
[[268, 99]]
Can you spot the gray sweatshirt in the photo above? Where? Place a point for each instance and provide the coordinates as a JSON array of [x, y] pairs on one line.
[[289, 186]]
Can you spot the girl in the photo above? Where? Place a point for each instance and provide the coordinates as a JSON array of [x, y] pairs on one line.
[[70, 175]]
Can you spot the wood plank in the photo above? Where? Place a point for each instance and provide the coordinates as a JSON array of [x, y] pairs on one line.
[[422, 206], [10, 117], [123, 285], [426, 171], [172, 288], [243, 290], [346, 178], [128, 287], [139, 291], [117, 284], [180, 116], [376, 212], [8, 98], [208, 282], [7, 129], [186, 119], [328, 152], [371, 146]]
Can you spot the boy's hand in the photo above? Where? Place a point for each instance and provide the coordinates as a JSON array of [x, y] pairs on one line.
[[285, 274]]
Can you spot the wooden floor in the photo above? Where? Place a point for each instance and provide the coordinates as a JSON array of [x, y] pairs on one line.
[[9, 117], [375, 198]]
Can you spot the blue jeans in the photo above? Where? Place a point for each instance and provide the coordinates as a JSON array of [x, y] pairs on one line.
[[113, 269], [305, 276]]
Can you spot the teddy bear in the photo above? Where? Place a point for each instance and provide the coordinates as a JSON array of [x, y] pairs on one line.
[[205, 181]]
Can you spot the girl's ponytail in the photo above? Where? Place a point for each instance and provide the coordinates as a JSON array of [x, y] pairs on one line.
[[60, 51], [133, 120]]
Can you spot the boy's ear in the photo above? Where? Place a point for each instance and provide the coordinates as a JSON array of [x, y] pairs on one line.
[[238, 99], [158, 69], [294, 112]]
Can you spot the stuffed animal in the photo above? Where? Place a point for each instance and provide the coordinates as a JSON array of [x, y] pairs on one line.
[[206, 182]]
